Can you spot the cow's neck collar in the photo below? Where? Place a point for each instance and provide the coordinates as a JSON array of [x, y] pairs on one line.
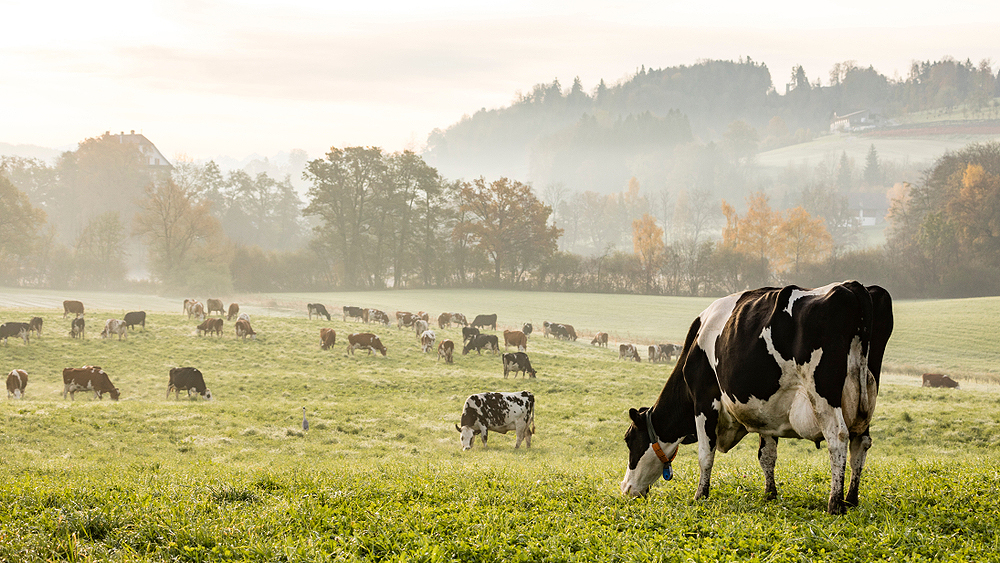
[[655, 442]]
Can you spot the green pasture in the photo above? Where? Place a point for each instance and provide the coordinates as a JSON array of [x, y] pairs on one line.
[[380, 474]]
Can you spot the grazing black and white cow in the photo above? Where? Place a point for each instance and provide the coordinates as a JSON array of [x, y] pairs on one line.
[[499, 412], [668, 351], [14, 329], [782, 363], [483, 321], [76, 328], [527, 329], [469, 332], [459, 318], [133, 318], [17, 380], [517, 362], [939, 380], [353, 312], [113, 327], [628, 352], [318, 309], [187, 379], [488, 341]]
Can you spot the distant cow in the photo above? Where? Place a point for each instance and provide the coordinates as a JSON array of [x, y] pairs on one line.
[[317, 309], [444, 320], [234, 309], [17, 380], [422, 315], [654, 353], [480, 341], [187, 379], [459, 318], [427, 341], [527, 329], [353, 312], [569, 332], [112, 327], [135, 318], [483, 321], [939, 380], [209, 326], [517, 362], [499, 412], [14, 329], [446, 350], [74, 307], [628, 352], [243, 317], [88, 378], [365, 340], [243, 330], [197, 311], [469, 332], [76, 328], [560, 330], [515, 338], [546, 328], [600, 339], [404, 318], [187, 306], [668, 351], [35, 325], [419, 327], [215, 305], [327, 338], [378, 316]]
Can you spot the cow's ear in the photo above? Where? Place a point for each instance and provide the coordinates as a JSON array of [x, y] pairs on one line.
[[635, 416]]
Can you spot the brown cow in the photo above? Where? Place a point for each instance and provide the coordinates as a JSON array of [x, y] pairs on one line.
[[444, 320], [209, 326], [939, 380], [35, 325], [215, 305], [234, 309], [74, 307], [88, 378], [197, 310], [404, 318], [628, 352], [365, 340], [427, 341], [327, 338], [17, 380], [424, 316], [446, 350], [515, 338], [243, 330], [600, 339], [459, 318]]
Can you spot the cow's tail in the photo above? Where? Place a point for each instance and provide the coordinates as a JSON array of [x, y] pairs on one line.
[[867, 322]]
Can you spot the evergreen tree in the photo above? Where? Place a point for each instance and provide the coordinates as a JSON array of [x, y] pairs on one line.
[[873, 171]]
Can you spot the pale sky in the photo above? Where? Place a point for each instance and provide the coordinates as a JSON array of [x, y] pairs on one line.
[[207, 77]]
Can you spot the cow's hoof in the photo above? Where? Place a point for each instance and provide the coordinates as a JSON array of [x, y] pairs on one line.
[[771, 494]]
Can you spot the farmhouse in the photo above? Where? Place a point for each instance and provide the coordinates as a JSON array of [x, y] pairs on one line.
[[854, 121], [154, 158]]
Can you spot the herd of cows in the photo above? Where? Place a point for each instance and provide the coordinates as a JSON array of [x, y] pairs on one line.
[[779, 362]]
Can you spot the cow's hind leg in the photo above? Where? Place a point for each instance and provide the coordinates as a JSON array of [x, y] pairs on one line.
[[767, 455], [837, 438], [859, 452]]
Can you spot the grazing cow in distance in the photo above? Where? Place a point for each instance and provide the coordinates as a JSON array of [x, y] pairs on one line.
[[446, 350], [76, 328], [628, 352], [378, 316], [483, 321], [365, 340], [654, 353], [211, 325], [444, 320], [317, 309], [234, 309], [17, 380], [546, 329], [668, 351], [779, 362], [517, 362], [187, 379], [197, 311], [243, 330], [498, 412], [427, 340], [404, 318], [469, 332], [74, 307], [187, 306], [515, 338], [15, 329], [480, 341], [327, 338], [600, 339], [35, 325], [424, 316], [419, 327], [353, 312], [939, 380], [527, 329], [244, 317], [112, 327], [215, 305], [569, 332], [459, 318], [133, 318], [88, 378]]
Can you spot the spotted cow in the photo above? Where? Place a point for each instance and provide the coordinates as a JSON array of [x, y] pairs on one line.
[[600, 339], [353, 312], [77, 328], [446, 350], [243, 330], [779, 362], [444, 320], [9, 329], [488, 341], [628, 352], [498, 412], [88, 378], [427, 341], [113, 327], [188, 379], [517, 362], [17, 380], [365, 340], [317, 309]]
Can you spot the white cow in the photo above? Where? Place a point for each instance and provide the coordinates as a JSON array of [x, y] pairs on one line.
[[500, 412], [114, 326]]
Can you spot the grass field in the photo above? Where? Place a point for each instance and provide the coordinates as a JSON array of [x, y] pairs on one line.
[[380, 475]]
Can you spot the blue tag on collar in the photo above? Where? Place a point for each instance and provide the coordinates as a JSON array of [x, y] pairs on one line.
[[668, 473]]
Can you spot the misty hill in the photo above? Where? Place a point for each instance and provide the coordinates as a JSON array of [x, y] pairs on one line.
[[644, 125]]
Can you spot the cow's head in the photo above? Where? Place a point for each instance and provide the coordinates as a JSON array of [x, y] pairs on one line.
[[467, 436], [114, 393], [644, 465], [207, 394], [377, 344]]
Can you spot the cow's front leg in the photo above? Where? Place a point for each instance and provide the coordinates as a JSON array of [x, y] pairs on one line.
[[859, 452], [706, 423], [484, 436], [838, 441], [767, 455]]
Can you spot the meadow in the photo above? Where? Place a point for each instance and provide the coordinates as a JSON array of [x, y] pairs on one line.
[[380, 476]]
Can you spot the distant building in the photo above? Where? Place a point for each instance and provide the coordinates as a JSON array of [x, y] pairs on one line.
[[869, 209], [154, 158], [854, 121]]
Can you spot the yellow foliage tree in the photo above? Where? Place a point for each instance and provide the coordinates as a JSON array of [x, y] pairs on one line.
[[647, 240], [804, 239]]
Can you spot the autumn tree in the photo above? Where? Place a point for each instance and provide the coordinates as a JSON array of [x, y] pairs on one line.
[[755, 234], [508, 224], [647, 242], [804, 239]]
